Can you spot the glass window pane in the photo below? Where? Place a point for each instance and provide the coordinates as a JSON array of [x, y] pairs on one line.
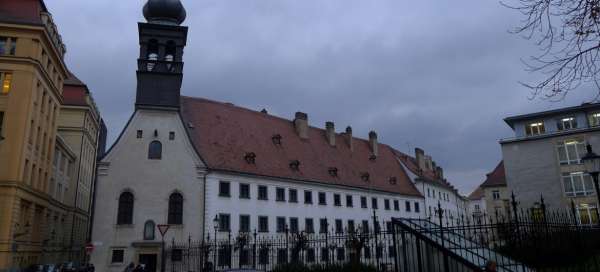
[[577, 183], [568, 185], [571, 152], [562, 153], [589, 186]]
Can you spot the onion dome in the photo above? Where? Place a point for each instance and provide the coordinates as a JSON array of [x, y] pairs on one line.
[[164, 12]]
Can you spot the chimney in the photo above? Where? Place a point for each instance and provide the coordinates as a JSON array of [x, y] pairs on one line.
[[440, 172], [428, 165], [420, 156], [349, 138], [373, 142], [330, 133], [301, 124]]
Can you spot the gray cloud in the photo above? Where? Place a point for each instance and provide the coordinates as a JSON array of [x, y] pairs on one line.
[[440, 75]]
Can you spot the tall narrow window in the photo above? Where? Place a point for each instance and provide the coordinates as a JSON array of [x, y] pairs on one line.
[[1, 123], [6, 79], [149, 230], [175, 209], [125, 210], [155, 150]]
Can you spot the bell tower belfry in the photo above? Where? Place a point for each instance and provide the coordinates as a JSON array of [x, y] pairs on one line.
[[160, 64]]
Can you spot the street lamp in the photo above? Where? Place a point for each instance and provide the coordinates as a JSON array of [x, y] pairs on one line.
[[591, 161]]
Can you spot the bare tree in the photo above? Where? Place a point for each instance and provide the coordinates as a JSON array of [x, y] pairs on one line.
[[567, 31]]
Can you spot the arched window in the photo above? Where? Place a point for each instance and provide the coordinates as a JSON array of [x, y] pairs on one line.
[[155, 150], [152, 54], [175, 209], [149, 230], [170, 54], [125, 212]]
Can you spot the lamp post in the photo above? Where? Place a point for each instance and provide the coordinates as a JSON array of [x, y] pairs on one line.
[[216, 227], [591, 161]]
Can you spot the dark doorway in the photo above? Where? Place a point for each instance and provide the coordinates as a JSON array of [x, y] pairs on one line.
[[149, 260]]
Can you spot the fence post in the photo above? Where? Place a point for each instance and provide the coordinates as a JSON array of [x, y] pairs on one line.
[[574, 212], [397, 269], [404, 253], [445, 251], [254, 251], [172, 247]]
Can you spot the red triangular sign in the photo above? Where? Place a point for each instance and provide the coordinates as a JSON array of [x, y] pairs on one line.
[[163, 229]]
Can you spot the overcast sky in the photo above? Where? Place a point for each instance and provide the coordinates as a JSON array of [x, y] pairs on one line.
[[440, 75]]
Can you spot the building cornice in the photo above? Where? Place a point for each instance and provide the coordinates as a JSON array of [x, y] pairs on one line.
[[549, 135]]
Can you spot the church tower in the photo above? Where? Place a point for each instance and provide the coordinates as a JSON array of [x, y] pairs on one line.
[[160, 64]]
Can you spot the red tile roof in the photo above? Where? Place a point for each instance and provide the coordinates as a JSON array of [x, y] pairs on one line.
[[223, 133], [74, 91], [496, 177], [477, 194], [22, 11], [411, 164]]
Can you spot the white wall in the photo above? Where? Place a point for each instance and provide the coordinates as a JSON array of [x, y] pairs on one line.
[[453, 204], [127, 168], [272, 208]]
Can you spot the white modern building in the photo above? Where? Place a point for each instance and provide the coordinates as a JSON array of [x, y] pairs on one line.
[[185, 161]]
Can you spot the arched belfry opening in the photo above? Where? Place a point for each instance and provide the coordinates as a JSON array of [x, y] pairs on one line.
[[160, 63]]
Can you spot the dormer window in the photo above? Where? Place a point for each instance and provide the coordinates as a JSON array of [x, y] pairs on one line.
[[333, 171], [365, 176], [393, 180], [535, 128], [295, 165], [566, 123], [250, 158], [276, 139]]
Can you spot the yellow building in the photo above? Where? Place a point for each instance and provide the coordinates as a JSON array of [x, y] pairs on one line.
[[32, 72], [79, 126]]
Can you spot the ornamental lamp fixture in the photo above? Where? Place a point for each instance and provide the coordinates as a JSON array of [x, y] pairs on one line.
[[591, 161]]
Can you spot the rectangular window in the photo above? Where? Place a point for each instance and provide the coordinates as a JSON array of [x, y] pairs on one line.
[[535, 128], [495, 195], [351, 228], [417, 208], [594, 119], [341, 254], [244, 223], [279, 194], [281, 224], [566, 123], [374, 203], [118, 255], [324, 254], [139, 134], [224, 189], [433, 193], [8, 45], [293, 196], [339, 226], [309, 225], [428, 192], [263, 224], [224, 222], [1, 122], [6, 79], [244, 190], [577, 184], [172, 135], [386, 204], [337, 200], [310, 255], [308, 197], [294, 224], [322, 198], [407, 206], [570, 151], [323, 225], [365, 226], [396, 205], [349, 202], [363, 202], [262, 192]]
